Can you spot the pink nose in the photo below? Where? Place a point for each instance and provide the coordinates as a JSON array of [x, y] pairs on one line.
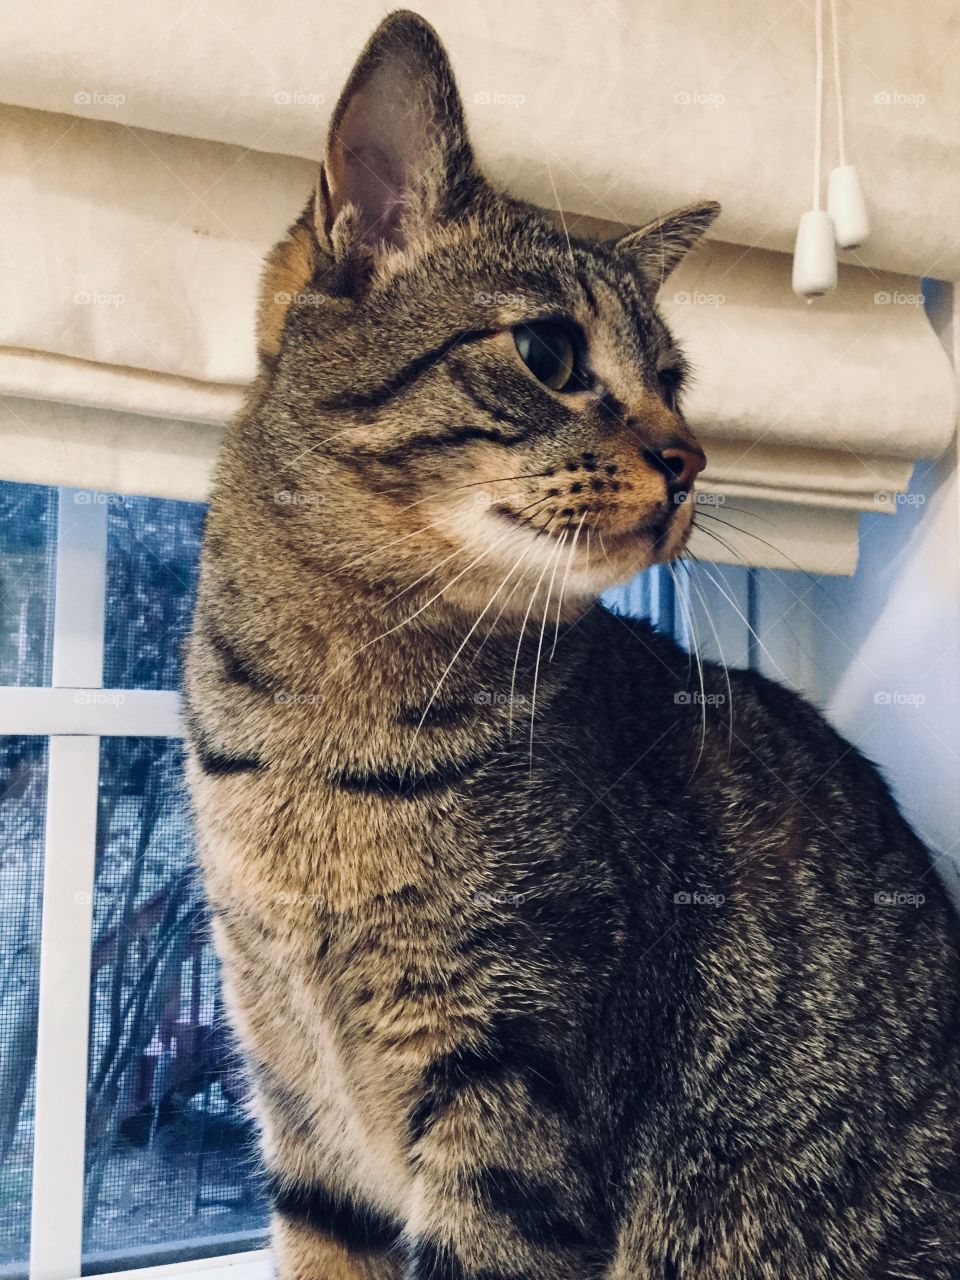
[[681, 464]]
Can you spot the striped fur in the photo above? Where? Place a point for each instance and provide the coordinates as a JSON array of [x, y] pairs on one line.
[[543, 970]]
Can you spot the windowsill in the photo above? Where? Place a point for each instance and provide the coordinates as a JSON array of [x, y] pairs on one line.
[[235, 1266]]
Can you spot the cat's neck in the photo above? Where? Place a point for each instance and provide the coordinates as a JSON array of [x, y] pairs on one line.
[[395, 676]]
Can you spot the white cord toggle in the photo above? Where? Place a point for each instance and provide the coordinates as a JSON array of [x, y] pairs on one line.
[[814, 256], [846, 206]]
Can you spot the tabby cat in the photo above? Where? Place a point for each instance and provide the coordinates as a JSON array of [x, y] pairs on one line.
[[545, 966]]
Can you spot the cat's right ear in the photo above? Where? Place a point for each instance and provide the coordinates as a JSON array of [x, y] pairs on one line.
[[398, 159]]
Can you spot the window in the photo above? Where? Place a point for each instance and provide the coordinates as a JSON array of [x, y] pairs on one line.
[[146, 1157]]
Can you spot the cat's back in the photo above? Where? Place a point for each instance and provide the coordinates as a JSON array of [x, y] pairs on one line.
[[749, 794], [801, 959]]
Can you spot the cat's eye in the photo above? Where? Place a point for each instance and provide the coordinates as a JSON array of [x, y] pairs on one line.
[[549, 351]]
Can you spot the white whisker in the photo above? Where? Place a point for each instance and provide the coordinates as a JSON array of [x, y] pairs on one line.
[[499, 542], [563, 221], [703, 688], [748, 533], [743, 618], [353, 564], [543, 628], [473, 484], [563, 584], [490, 630], [460, 648], [516, 656], [723, 662], [319, 445], [410, 617]]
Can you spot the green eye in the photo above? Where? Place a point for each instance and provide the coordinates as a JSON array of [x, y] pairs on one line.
[[548, 352]]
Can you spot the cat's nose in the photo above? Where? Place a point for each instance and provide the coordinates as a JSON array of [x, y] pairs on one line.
[[680, 463]]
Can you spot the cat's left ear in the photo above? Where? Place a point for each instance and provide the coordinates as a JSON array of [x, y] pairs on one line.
[[663, 244], [398, 157]]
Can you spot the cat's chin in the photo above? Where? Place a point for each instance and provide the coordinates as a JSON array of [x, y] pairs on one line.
[[624, 554], [534, 565], [507, 565]]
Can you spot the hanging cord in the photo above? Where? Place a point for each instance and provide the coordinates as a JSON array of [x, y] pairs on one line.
[[838, 87], [818, 107], [843, 223]]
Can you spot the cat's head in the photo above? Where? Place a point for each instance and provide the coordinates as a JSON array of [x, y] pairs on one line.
[[453, 391]]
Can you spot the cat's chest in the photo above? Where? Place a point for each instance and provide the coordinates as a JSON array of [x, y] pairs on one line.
[[291, 846], [348, 982], [359, 905]]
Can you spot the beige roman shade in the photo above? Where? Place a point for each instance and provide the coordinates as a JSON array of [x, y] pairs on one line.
[[150, 155]]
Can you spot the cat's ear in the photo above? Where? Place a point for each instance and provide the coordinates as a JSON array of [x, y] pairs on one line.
[[398, 157], [663, 244]]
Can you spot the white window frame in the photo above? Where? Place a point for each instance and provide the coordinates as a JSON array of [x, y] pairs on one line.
[[74, 713]]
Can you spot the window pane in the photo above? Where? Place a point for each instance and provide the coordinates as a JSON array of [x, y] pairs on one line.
[[28, 542], [649, 595], [153, 550], [170, 1154], [23, 802]]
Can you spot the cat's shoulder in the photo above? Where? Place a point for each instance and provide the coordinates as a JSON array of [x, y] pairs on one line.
[[766, 713]]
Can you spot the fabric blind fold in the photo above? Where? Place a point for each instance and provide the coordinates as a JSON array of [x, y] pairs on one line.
[[629, 109], [131, 256]]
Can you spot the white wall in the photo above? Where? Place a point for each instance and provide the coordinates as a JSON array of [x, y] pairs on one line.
[[887, 652], [882, 649]]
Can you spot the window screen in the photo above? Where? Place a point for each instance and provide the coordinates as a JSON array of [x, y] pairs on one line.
[[23, 787], [170, 1154], [28, 533], [153, 549], [650, 594]]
